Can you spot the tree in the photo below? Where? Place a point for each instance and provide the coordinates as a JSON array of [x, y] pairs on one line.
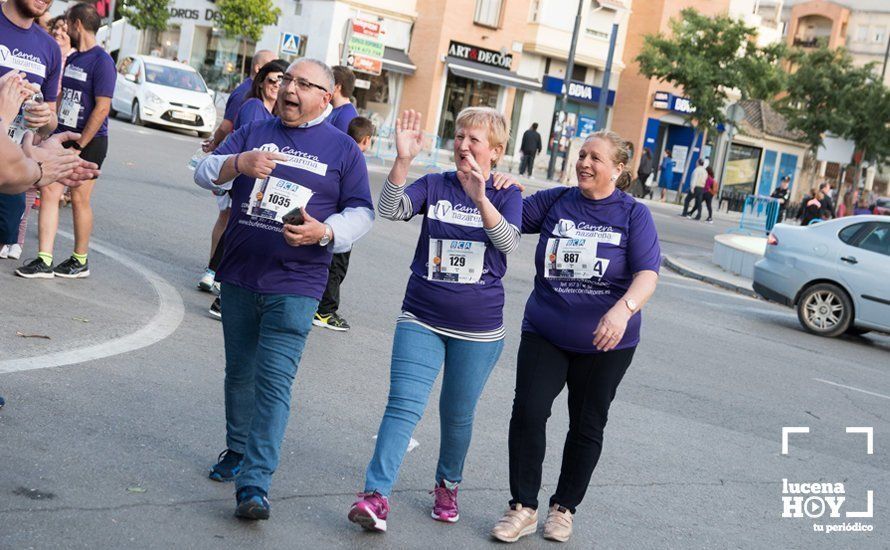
[[869, 109], [822, 87], [708, 57], [145, 14], [246, 19]]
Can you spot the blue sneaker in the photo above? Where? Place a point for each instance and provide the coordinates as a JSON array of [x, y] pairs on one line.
[[227, 467], [252, 503], [2, 402]]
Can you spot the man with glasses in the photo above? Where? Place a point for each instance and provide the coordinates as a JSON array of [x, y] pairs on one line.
[[300, 193]]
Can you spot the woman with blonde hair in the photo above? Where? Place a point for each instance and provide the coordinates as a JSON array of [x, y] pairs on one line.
[[452, 314], [597, 265]]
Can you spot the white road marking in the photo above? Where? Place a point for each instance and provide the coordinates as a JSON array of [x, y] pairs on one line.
[[852, 388], [167, 319]]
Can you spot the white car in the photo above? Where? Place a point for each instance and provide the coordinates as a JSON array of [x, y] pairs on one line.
[[168, 93]]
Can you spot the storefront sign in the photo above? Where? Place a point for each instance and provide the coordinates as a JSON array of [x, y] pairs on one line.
[[480, 55], [579, 91], [671, 102], [364, 47], [364, 64], [194, 14]]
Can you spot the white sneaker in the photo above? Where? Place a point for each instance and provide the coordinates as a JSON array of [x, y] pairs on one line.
[[15, 252], [206, 281], [4, 251]]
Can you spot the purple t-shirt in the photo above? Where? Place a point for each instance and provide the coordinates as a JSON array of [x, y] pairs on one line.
[[322, 160], [451, 216], [586, 257], [341, 116], [236, 99], [253, 110], [31, 51], [87, 75]]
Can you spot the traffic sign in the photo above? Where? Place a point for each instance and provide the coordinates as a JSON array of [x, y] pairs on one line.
[[290, 44]]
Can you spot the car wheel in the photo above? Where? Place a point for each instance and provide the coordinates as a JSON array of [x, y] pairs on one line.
[[825, 309], [135, 115]]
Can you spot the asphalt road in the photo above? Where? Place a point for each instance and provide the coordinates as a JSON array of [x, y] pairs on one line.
[[112, 422]]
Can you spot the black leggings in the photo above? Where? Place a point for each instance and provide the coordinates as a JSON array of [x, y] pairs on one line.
[[541, 373]]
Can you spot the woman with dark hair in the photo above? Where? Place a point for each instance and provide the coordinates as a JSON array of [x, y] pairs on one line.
[[260, 100], [707, 196]]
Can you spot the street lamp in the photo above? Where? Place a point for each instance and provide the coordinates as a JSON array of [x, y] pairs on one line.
[[563, 97]]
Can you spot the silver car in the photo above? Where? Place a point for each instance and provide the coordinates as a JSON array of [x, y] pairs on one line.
[[835, 273]]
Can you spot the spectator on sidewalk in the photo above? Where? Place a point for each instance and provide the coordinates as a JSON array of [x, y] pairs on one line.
[[530, 147], [644, 171], [699, 176], [814, 207], [666, 174], [361, 130], [827, 199], [780, 193], [862, 208], [707, 195]]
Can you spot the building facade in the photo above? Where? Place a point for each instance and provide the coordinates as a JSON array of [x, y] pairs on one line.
[[654, 114]]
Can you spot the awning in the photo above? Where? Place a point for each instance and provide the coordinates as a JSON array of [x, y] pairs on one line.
[[494, 75], [398, 61]]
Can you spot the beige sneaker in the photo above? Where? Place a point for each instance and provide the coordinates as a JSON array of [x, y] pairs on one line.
[[558, 526], [516, 523]]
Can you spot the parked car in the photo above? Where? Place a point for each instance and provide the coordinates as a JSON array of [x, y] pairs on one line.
[[168, 93], [835, 273], [882, 206]]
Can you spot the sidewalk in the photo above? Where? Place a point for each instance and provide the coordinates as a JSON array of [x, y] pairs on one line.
[[700, 267]]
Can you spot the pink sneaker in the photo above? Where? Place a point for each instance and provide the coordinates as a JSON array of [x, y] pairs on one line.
[[445, 509], [370, 511]]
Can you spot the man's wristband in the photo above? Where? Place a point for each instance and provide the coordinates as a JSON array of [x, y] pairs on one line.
[[237, 171]]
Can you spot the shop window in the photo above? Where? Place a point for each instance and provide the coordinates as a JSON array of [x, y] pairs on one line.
[[220, 59], [377, 100], [579, 73], [879, 34], [488, 13], [861, 33], [460, 93], [164, 43], [741, 169]]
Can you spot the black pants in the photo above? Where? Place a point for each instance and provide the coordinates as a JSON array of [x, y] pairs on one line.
[[526, 163], [706, 198], [695, 194], [643, 176], [330, 302], [541, 373]]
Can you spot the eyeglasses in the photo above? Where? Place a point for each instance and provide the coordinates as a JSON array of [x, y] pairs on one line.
[[303, 84]]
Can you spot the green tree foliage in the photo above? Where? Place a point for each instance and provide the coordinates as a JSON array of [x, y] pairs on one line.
[[869, 108], [708, 57], [820, 86], [246, 19], [146, 14]]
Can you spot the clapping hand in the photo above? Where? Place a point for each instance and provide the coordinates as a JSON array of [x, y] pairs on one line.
[[409, 136], [13, 91], [472, 181]]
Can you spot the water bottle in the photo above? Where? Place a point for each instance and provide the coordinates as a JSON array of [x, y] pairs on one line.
[[197, 158], [18, 127]]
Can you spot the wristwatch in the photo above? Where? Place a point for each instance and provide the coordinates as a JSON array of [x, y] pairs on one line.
[[328, 235], [631, 305]]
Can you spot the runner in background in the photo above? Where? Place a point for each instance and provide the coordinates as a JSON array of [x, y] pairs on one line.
[[361, 130], [35, 54], [87, 87], [233, 105], [344, 111]]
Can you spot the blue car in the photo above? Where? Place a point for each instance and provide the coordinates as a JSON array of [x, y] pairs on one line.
[[835, 273]]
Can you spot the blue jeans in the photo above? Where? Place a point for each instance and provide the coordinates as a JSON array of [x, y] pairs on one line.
[[417, 357], [264, 335]]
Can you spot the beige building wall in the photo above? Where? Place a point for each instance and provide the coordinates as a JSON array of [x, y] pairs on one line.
[[438, 23]]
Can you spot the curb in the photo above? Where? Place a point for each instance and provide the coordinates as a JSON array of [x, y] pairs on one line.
[[680, 269]]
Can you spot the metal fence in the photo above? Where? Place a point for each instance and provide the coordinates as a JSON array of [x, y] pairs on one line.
[[759, 214]]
